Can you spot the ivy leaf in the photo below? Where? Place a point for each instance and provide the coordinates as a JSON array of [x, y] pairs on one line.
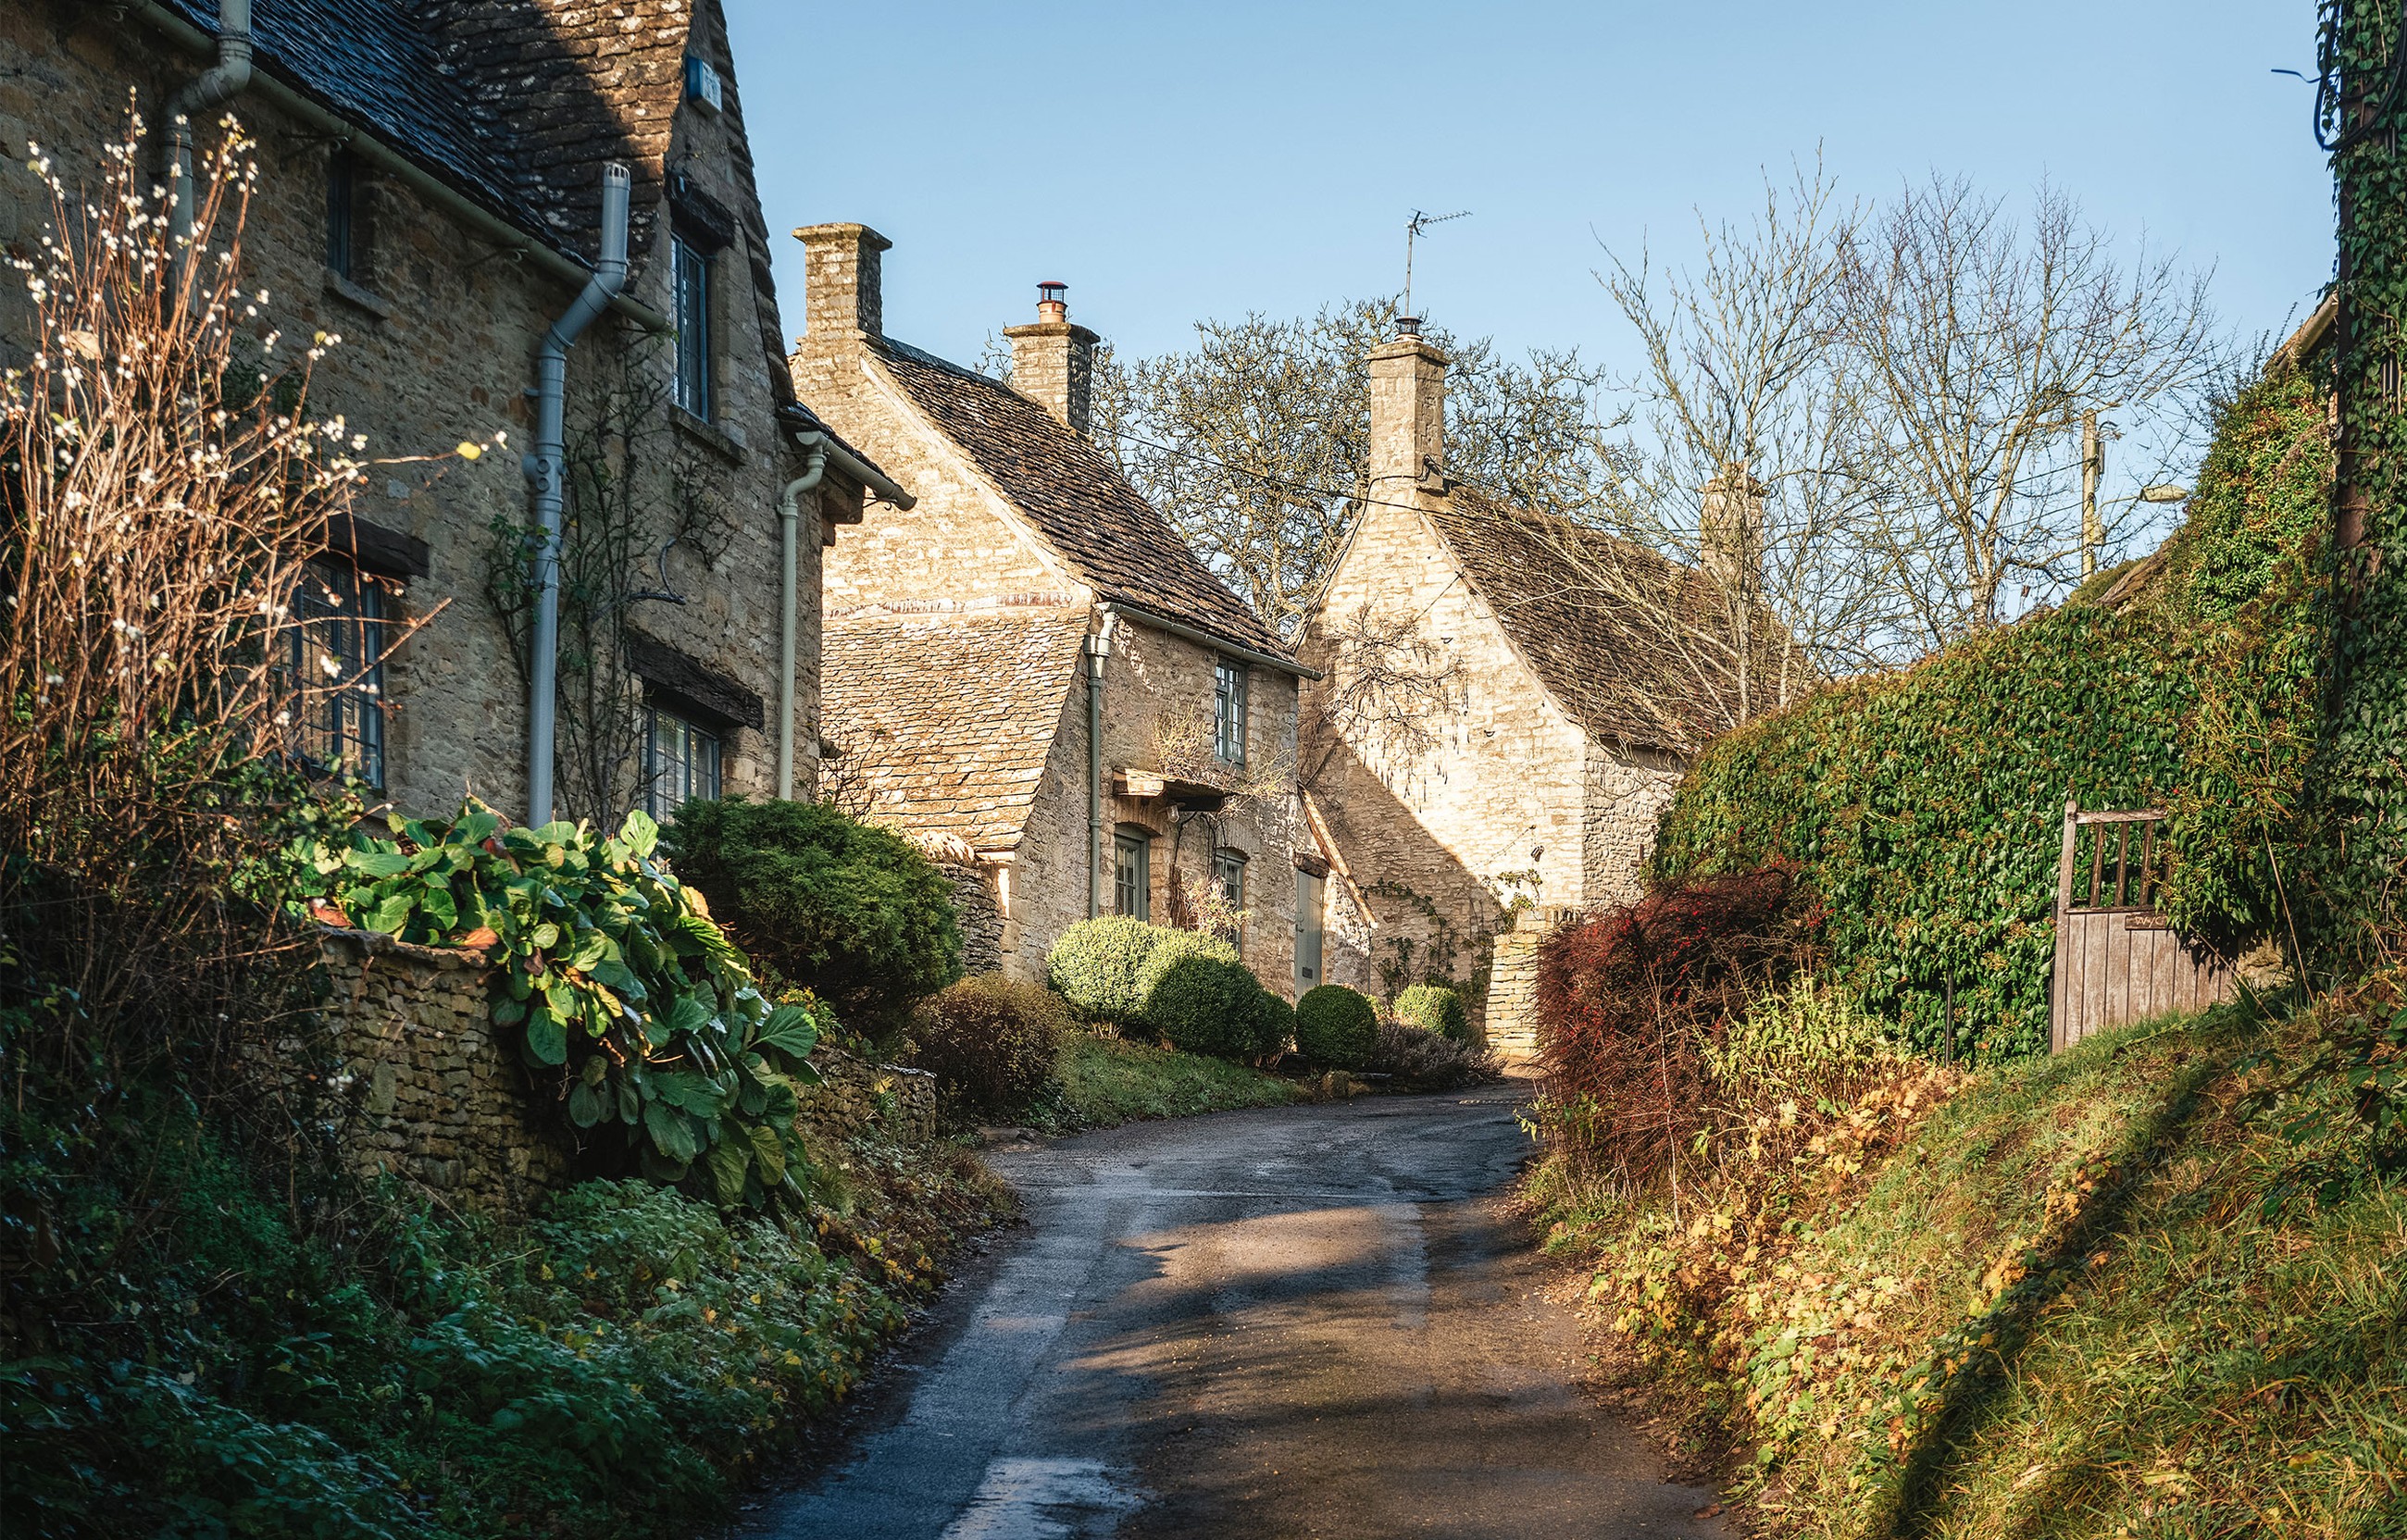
[[389, 917], [790, 1031], [730, 1162], [587, 1105], [768, 1153], [376, 863], [671, 1132]]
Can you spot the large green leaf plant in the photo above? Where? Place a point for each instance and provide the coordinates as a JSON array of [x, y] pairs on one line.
[[613, 975]]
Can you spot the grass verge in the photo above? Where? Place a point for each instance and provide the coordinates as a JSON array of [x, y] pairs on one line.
[[2075, 1296], [1101, 1082]]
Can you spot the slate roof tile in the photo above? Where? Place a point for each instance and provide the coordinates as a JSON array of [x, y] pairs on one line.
[[1076, 497], [945, 719]]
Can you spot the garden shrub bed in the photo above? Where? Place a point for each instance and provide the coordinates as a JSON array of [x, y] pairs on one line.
[[1101, 1082]]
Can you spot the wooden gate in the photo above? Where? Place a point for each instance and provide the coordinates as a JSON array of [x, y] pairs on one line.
[[2116, 958]]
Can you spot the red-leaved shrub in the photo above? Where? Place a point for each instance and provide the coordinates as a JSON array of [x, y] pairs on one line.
[[1626, 1002]]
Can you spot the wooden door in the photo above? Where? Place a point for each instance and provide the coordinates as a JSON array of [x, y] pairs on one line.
[[2116, 958]]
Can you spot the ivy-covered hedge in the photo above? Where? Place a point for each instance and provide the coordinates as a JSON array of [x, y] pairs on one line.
[[1924, 808]]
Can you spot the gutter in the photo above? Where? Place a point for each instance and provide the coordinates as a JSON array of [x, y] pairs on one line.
[[390, 162], [1205, 639], [822, 448]]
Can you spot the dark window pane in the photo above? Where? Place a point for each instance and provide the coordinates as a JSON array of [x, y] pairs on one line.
[[341, 187], [334, 668], [680, 762], [691, 271], [1229, 711]]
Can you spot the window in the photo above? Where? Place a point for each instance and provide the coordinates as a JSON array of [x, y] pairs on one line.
[[1228, 876], [1132, 875], [334, 663], [1308, 898], [1229, 711], [690, 271], [680, 762], [342, 214]]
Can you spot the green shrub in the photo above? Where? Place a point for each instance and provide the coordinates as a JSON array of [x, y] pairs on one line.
[[1200, 997], [1336, 1026], [991, 1042], [1435, 1008], [1095, 964], [1425, 1061], [1810, 1043], [1274, 1025], [846, 909]]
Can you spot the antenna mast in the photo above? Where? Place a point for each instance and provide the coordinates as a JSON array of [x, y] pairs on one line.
[[1413, 228]]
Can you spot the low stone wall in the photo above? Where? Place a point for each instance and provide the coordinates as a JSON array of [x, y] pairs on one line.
[[430, 1093], [1511, 1021], [857, 1099]]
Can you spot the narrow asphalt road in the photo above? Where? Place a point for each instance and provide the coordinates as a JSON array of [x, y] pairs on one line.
[[1306, 1320]]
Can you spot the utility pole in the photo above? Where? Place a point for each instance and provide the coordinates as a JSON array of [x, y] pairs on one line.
[[2093, 471]]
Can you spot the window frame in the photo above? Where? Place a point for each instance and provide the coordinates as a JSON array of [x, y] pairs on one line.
[[692, 283], [1133, 878], [1228, 872], [343, 216], [1230, 706], [699, 774], [336, 600]]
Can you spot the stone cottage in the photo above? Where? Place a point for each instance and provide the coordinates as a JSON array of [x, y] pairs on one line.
[[1029, 669], [431, 189], [1498, 729]]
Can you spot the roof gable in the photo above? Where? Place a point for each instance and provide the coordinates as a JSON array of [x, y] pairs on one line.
[[945, 719], [1613, 665], [1077, 502]]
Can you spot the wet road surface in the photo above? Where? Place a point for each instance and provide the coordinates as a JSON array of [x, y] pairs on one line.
[[1295, 1321]]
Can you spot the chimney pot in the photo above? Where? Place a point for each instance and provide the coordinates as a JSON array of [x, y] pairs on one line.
[[1408, 326], [1053, 361]]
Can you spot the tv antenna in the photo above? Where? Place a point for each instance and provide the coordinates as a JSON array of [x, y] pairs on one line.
[[1413, 228]]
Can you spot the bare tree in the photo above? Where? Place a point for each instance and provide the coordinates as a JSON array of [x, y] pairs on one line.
[[1972, 346], [1254, 445]]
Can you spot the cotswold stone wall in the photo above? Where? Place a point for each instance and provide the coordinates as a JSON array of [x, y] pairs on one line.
[[1625, 798], [981, 922], [1511, 1027], [428, 1092]]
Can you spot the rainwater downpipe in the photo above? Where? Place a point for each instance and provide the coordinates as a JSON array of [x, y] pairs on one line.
[[213, 86], [788, 513], [545, 471], [1096, 648]]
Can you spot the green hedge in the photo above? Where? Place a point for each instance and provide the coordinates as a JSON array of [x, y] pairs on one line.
[[1925, 807], [1200, 997], [1337, 1025], [1095, 964], [1434, 1008], [847, 908]]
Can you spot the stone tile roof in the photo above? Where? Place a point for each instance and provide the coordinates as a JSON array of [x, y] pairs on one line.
[[513, 103], [1077, 498], [945, 719], [1615, 664]]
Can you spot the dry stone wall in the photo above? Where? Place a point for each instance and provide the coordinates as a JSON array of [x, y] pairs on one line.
[[428, 1092]]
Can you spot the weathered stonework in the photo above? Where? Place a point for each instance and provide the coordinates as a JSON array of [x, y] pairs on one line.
[[857, 1099], [960, 686], [438, 328]]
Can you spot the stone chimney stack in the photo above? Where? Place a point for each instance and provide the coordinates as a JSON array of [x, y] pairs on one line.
[[841, 304], [1731, 530], [1053, 361], [1407, 450]]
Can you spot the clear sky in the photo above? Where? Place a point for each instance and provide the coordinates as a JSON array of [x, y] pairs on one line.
[[1171, 161]]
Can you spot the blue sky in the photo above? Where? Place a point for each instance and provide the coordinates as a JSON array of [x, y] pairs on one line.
[[1176, 162]]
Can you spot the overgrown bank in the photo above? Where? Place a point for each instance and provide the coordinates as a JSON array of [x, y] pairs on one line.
[[2083, 1295]]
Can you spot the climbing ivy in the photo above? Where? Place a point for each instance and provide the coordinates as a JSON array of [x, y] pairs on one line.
[[1925, 807], [2361, 850]]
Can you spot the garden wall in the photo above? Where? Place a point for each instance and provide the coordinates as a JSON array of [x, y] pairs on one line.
[[427, 1092]]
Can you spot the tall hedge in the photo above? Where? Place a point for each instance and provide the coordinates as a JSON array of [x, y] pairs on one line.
[[1924, 808]]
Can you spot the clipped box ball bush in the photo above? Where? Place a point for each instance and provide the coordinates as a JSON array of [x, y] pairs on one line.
[[1095, 964], [991, 1042], [846, 909], [1274, 1025], [1435, 1008], [1200, 997], [1336, 1026]]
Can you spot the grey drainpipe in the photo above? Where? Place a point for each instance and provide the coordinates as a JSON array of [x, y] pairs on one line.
[[1096, 648], [789, 513], [212, 87], [545, 469], [822, 450]]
